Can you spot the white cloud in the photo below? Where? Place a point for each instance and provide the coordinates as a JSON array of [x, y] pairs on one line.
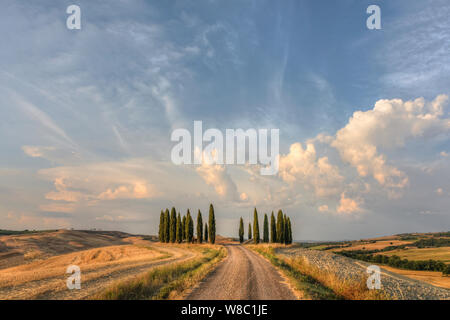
[[303, 167], [388, 125], [42, 118], [415, 51], [58, 207], [243, 196], [138, 190], [217, 177], [99, 181], [36, 151], [110, 218], [348, 205]]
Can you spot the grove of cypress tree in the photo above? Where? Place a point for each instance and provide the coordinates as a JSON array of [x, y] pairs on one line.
[[249, 231], [179, 234], [273, 229], [212, 225], [266, 229], [173, 225], [199, 227], [166, 226], [280, 227], [183, 228], [255, 227], [241, 230], [161, 227], [206, 232]]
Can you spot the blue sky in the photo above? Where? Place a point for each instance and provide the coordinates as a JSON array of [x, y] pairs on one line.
[[87, 114]]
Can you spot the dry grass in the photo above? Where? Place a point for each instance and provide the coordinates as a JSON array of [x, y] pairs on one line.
[[168, 282], [348, 289], [342, 289]]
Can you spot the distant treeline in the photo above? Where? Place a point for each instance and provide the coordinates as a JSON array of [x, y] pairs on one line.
[[421, 243], [432, 242], [280, 229], [326, 245], [396, 261], [12, 232], [173, 228]]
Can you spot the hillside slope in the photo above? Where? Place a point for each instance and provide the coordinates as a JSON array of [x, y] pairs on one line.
[[25, 248]]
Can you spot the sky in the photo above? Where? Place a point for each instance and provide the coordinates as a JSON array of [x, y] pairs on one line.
[[87, 115]]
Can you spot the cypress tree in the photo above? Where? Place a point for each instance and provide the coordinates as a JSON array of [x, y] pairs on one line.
[[249, 231], [255, 227], [206, 232], [273, 229], [179, 234], [199, 227], [266, 229], [212, 225], [191, 229], [280, 227], [241, 230], [161, 227], [188, 217], [166, 226], [183, 228], [173, 225], [290, 230], [286, 230]]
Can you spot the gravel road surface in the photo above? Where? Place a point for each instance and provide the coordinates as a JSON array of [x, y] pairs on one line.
[[243, 275]]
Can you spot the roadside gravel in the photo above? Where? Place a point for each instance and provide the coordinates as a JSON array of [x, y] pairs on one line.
[[397, 286]]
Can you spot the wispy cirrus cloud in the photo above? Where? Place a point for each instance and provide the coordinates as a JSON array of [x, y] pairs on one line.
[[415, 53]]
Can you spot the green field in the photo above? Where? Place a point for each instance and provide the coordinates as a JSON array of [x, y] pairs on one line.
[[442, 254]]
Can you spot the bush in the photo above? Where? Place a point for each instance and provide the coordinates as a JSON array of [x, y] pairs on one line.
[[446, 271], [396, 261]]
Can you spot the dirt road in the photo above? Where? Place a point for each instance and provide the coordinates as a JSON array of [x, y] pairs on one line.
[[242, 275]]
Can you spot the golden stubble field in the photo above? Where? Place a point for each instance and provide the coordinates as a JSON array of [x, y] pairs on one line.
[[34, 266]]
